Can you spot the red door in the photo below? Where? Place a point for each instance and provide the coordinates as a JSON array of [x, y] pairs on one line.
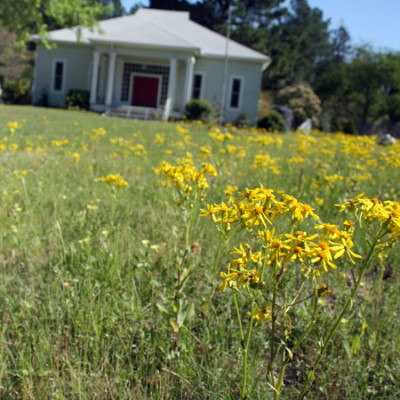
[[145, 91]]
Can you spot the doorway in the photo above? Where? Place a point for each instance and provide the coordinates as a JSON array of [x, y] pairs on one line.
[[145, 91]]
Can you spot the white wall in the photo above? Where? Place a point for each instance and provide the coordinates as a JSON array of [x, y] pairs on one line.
[[76, 70], [251, 74]]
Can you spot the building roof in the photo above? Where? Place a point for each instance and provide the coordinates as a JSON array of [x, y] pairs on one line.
[[161, 29]]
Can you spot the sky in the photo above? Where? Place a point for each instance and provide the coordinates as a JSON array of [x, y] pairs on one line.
[[373, 22]]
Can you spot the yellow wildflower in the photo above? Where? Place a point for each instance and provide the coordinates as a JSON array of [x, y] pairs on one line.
[[262, 315]]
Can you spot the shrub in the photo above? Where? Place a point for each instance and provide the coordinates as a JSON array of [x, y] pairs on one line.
[[77, 98], [350, 128], [44, 99], [336, 126], [198, 110], [303, 101], [273, 121], [17, 92], [242, 121]]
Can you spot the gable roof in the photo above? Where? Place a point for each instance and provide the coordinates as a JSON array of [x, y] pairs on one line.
[[161, 29]]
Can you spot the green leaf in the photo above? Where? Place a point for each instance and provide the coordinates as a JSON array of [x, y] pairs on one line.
[[355, 344], [289, 352], [185, 274], [181, 317], [191, 312], [174, 326], [161, 308], [310, 377]]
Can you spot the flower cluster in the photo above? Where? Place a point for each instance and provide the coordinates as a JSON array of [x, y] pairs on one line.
[[185, 176], [115, 180], [59, 143], [13, 126], [76, 157], [96, 133], [258, 206], [257, 211], [265, 162], [218, 136], [372, 210]]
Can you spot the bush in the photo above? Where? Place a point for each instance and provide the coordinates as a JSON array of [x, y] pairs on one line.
[[242, 121], [17, 92], [77, 98], [273, 121], [336, 126], [350, 128], [303, 101], [44, 99], [198, 110]]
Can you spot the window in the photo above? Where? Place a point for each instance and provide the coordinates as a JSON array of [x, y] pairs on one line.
[[58, 75], [197, 85], [236, 88]]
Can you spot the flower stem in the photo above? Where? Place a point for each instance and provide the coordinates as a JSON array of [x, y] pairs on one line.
[[246, 353], [307, 384], [272, 338], [238, 317]]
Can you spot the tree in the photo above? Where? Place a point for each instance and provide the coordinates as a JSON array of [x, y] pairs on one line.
[[297, 44], [253, 21], [302, 100], [113, 8], [209, 13], [13, 63], [366, 79], [25, 17], [340, 42], [178, 5], [330, 77], [16, 70], [249, 17], [389, 101], [331, 82]]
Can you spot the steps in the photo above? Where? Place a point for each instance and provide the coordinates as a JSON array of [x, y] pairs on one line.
[[133, 112]]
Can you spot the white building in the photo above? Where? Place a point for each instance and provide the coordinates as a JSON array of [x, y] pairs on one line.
[[155, 60]]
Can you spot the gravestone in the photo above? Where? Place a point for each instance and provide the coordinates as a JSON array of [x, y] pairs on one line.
[[305, 127], [286, 113], [387, 139]]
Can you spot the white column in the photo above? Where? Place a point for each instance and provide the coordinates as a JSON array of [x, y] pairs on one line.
[[171, 88], [95, 77], [188, 79], [110, 80]]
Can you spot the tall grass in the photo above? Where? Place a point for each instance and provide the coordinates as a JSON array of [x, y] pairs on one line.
[[103, 296]]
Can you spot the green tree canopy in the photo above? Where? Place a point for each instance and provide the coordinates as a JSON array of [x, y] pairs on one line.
[[390, 94], [297, 44], [366, 79], [113, 8], [26, 17]]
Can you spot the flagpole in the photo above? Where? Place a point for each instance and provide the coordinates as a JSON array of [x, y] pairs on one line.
[[225, 76]]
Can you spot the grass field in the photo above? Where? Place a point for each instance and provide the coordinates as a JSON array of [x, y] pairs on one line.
[[110, 277]]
